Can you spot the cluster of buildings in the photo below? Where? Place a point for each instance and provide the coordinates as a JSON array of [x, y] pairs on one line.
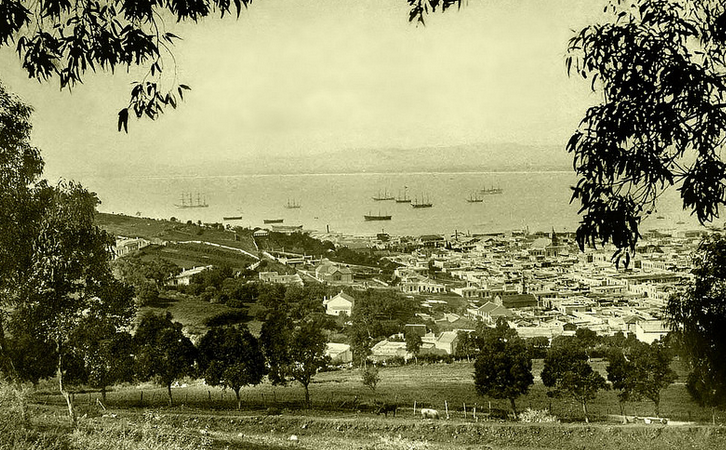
[[542, 285]]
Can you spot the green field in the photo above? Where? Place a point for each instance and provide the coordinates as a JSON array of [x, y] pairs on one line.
[[342, 417], [165, 230]]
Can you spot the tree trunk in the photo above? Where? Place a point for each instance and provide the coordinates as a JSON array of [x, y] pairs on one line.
[[168, 390], [307, 396], [657, 407], [67, 395], [584, 410], [514, 407], [239, 402], [622, 412], [103, 393]]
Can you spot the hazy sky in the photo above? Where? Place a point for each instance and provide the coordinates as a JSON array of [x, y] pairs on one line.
[[306, 77]]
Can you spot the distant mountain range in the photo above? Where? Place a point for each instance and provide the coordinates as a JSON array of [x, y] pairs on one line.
[[461, 158]]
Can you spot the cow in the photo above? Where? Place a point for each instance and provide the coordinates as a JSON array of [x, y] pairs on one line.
[[385, 408], [428, 413]]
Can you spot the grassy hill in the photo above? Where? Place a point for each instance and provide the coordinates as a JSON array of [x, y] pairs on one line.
[[166, 230]]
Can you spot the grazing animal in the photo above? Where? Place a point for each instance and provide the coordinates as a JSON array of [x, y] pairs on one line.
[[428, 413], [385, 408]]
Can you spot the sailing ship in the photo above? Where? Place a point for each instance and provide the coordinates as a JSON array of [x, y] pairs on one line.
[[383, 195], [273, 220], [379, 216], [423, 203], [292, 204], [232, 218], [403, 198], [475, 197], [491, 191], [187, 201]]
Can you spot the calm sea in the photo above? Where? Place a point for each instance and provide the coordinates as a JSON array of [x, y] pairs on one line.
[[338, 202]]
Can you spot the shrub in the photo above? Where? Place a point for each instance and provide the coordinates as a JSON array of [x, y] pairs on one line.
[[537, 416], [226, 318], [370, 377]]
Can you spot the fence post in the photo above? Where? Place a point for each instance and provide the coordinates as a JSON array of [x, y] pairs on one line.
[[446, 405], [475, 414], [414, 408], [141, 401], [464, 410]]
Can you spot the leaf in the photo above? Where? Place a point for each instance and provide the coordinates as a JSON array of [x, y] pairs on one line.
[[123, 120]]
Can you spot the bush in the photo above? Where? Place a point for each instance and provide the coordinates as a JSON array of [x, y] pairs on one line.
[[226, 318], [537, 416], [370, 377]]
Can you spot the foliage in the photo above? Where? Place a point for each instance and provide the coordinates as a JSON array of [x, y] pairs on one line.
[[567, 372], [661, 122], [226, 318], [698, 317], [107, 356], [466, 346], [307, 353], [644, 371], [293, 335], [503, 368], [231, 357], [164, 353], [413, 343], [370, 377], [530, 415], [65, 285]]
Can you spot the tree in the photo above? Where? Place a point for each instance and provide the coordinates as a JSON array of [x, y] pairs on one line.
[[466, 346], [659, 66], [370, 377], [65, 284], [698, 319], [413, 344], [164, 353], [503, 368], [643, 372], [103, 355], [567, 372], [64, 39], [307, 353], [231, 357]]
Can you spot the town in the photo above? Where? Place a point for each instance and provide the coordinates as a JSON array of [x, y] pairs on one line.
[[540, 283]]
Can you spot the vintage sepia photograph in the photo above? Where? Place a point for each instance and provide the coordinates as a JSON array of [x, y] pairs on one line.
[[362, 224]]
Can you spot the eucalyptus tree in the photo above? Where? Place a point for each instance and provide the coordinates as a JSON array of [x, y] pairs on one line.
[[64, 39], [659, 66]]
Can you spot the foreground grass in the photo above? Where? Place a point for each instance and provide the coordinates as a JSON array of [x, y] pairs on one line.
[[187, 429]]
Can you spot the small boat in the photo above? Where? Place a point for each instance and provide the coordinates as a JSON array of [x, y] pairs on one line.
[[383, 196], [232, 218], [379, 216], [273, 220], [292, 204]]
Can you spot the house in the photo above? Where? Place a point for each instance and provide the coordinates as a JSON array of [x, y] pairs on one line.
[[387, 349], [124, 246], [447, 341], [649, 331], [338, 353], [516, 300], [340, 304], [274, 277], [419, 284], [185, 277], [490, 312], [329, 272]]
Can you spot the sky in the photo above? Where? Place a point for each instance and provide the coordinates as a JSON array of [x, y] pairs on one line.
[[308, 77]]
